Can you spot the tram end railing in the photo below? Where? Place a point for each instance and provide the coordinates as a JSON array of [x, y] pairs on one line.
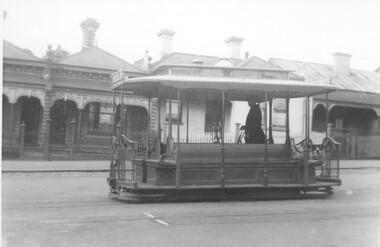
[[331, 156], [298, 149], [123, 149]]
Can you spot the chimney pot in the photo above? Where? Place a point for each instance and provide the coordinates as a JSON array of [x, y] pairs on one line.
[[166, 37], [89, 27], [233, 46], [341, 63]]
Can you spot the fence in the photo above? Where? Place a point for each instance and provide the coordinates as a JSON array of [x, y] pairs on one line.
[[101, 141], [354, 143], [358, 143]]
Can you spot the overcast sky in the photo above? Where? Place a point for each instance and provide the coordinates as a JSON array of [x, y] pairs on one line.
[[290, 29]]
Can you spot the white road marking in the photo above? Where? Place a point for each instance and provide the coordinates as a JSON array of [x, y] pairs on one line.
[[157, 220], [162, 222], [149, 215]]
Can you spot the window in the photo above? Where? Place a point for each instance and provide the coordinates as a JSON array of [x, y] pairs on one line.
[[279, 113], [176, 112], [214, 114], [319, 119], [100, 118]]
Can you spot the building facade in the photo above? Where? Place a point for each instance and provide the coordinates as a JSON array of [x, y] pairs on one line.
[[64, 100], [61, 106]]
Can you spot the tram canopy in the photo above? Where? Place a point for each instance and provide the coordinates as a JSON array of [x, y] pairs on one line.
[[236, 88]]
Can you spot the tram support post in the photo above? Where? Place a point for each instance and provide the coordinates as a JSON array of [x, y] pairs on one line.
[[119, 158], [306, 149], [149, 121], [287, 130], [266, 142], [327, 114], [270, 139], [222, 139]]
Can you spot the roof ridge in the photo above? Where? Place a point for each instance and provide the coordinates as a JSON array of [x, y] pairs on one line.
[[327, 65], [298, 61], [93, 48], [184, 53]]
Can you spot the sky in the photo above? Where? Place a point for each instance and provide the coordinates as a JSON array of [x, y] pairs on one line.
[[309, 31]]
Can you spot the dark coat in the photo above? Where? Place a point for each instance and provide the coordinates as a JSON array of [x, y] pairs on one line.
[[253, 131]]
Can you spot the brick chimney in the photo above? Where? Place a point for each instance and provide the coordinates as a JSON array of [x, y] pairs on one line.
[[89, 27], [341, 63], [166, 37], [233, 47]]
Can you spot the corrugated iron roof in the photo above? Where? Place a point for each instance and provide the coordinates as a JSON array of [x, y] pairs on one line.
[[188, 59], [97, 58], [15, 52], [357, 80]]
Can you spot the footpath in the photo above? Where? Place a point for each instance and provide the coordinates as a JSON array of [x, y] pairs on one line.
[[15, 166]]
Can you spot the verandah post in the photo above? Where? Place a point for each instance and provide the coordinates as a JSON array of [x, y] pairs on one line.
[[73, 123], [47, 139], [22, 138], [178, 168], [237, 131]]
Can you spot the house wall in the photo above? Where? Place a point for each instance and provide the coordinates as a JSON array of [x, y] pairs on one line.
[[239, 114], [297, 118]]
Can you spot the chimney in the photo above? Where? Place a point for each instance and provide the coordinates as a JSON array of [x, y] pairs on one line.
[[89, 27], [166, 36], [233, 47], [341, 63]]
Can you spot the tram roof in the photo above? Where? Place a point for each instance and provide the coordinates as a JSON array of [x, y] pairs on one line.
[[236, 88]]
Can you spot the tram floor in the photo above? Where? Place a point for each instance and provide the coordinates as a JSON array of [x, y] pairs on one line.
[[73, 209]]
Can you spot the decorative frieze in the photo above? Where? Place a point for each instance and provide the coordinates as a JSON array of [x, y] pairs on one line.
[[82, 99], [22, 68], [14, 94]]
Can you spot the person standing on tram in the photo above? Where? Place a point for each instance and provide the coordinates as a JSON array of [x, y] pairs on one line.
[[253, 131]]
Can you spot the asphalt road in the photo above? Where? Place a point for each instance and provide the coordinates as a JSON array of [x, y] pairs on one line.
[[72, 209]]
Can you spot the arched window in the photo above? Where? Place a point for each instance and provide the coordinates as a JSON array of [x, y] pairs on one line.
[[319, 118]]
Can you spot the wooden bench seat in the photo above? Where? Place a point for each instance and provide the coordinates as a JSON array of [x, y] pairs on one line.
[[200, 164]]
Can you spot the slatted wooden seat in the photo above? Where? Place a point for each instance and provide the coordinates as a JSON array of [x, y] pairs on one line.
[[201, 164]]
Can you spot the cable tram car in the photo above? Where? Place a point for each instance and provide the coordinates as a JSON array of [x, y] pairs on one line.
[[171, 167]]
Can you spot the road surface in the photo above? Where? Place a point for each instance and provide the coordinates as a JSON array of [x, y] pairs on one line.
[[72, 209]]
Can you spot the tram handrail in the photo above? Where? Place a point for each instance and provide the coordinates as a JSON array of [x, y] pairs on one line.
[[305, 145], [128, 142]]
